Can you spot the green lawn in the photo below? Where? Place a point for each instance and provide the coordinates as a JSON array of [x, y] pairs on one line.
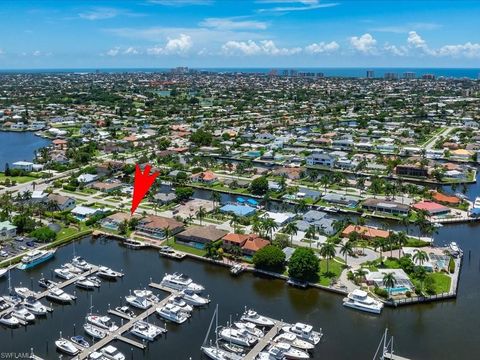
[[188, 249], [17, 179], [66, 232], [334, 271], [442, 282]]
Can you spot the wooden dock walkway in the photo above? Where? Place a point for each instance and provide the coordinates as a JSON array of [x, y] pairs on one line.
[[117, 335], [264, 341]]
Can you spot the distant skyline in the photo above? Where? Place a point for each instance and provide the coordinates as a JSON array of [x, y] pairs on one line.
[[249, 33]]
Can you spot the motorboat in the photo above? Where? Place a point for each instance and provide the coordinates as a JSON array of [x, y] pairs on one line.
[[249, 327], [133, 244], [112, 353], [4, 304], [34, 306], [182, 304], [59, 295], [9, 320], [80, 263], [304, 332], [13, 299], [95, 280], [21, 313], [107, 273], [103, 322], [35, 257], [233, 348], [72, 268], [294, 341], [125, 310], [63, 273], [173, 313], [178, 281], [147, 294], [170, 252], [359, 299], [284, 350], [3, 272], [455, 249], [47, 284], [238, 337], [237, 269], [253, 317], [215, 353], [144, 330], [80, 341], [66, 346], [138, 302], [86, 284], [23, 292], [193, 298], [96, 355], [297, 283], [94, 331]]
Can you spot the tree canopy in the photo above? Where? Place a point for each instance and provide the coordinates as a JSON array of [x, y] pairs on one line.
[[303, 265], [269, 258]]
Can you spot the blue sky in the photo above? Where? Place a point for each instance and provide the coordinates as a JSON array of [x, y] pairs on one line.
[[241, 33]]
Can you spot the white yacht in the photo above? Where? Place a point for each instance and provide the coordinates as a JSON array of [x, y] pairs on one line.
[[63, 274], [103, 322], [249, 327], [21, 313], [359, 299], [293, 340], [146, 331], [193, 298], [237, 337], [215, 353], [304, 332], [35, 257], [108, 273], [125, 310], [112, 353], [147, 294], [34, 306], [59, 295], [80, 263], [173, 313], [94, 331], [80, 341], [9, 320], [4, 304], [66, 346], [182, 304], [85, 283], [180, 282], [284, 350], [47, 284], [23, 292], [138, 302], [253, 317], [72, 268], [3, 272]]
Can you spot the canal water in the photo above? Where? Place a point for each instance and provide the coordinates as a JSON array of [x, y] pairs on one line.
[[442, 330], [19, 146]]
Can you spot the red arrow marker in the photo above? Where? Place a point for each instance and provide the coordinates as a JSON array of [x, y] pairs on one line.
[[141, 184]]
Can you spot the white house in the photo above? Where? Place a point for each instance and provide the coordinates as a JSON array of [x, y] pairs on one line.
[[87, 178], [23, 165], [320, 158], [7, 230]]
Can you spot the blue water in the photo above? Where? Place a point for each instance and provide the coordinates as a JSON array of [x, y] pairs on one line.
[[356, 72], [18, 146]]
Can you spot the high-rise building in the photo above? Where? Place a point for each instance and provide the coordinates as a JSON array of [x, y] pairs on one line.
[[370, 74], [428, 77], [409, 75], [390, 76]]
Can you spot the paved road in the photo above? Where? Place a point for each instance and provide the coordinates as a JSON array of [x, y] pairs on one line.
[[444, 133]]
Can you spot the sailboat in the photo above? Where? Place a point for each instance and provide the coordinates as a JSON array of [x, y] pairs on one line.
[[214, 352], [385, 348]]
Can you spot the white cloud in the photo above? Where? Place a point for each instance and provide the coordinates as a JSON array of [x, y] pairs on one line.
[[469, 50], [299, 5], [250, 47], [396, 50], [415, 41], [181, 2], [365, 43], [99, 14], [231, 24], [322, 47], [174, 46], [113, 52], [131, 51]]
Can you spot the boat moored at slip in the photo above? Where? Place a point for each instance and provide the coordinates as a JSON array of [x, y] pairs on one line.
[[103, 322], [95, 332], [173, 313], [177, 300], [35, 306], [125, 310], [9, 320], [80, 341], [237, 336], [193, 298], [169, 252], [215, 353], [455, 249], [112, 353], [35, 257], [66, 346], [133, 244], [107, 273], [144, 330], [21, 313], [178, 281], [253, 317], [3, 272], [294, 341], [286, 351], [86, 284], [359, 299], [147, 294], [80, 263], [63, 273], [24, 292], [59, 295], [46, 283], [249, 327], [304, 332], [237, 269], [138, 302]]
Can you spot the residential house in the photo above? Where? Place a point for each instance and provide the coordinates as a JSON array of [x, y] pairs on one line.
[[321, 158], [432, 208], [207, 177], [155, 226], [63, 202], [249, 244], [365, 232], [23, 165], [411, 170], [386, 206], [7, 230], [198, 236]]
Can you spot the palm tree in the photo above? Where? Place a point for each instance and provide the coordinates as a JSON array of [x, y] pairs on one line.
[[233, 222], [389, 281], [167, 233], [201, 213], [401, 241], [359, 274], [328, 252], [379, 243], [270, 226], [215, 198], [310, 234], [420, 257], [324, 181], [392, 239], [292, 230], [347, 250]]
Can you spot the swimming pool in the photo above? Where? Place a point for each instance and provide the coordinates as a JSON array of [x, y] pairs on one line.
[[399, 289]]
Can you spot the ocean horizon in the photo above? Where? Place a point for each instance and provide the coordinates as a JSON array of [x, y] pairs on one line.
[[347, 72]]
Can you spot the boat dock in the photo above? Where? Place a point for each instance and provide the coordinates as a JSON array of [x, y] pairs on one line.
[[117, 335], [264, 341], [391, 356], [43, 294]]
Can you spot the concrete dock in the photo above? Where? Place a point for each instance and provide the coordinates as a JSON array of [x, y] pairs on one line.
[[264, 341]]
